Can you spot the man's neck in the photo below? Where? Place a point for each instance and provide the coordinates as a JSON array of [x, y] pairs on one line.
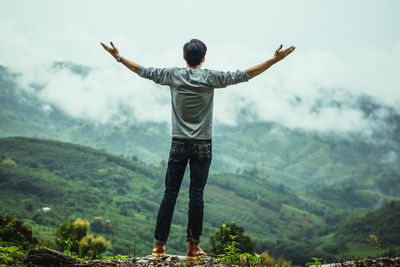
[[195, 67]]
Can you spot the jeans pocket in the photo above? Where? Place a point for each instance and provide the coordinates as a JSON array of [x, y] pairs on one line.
[[177, 151], [203, 151]]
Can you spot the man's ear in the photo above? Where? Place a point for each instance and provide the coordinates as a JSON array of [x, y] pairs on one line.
[[184, 57], [204, 58]]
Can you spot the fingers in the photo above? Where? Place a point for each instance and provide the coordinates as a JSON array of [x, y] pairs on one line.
[[287, 51], [105, 46], [281, 54], [112, 50], [290, 50], [278, 50]]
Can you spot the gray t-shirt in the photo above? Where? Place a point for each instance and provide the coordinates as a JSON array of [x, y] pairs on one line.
[[192, 96]]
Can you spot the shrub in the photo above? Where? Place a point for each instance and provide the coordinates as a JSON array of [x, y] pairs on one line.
[[9, 163], [108, 228], [232, 255], [11, 256], [222, 238], [91, 246], [73, 231], [14, 232], [74, 239], [97, 224]]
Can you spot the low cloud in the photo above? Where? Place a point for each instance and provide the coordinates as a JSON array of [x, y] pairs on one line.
[[103, 94], [355, 92]]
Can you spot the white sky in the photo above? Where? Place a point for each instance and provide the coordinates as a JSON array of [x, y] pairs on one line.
[[347, 48]]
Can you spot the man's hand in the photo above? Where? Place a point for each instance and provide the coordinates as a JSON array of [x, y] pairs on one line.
[[112, 50], [281, 54], [278, 56]]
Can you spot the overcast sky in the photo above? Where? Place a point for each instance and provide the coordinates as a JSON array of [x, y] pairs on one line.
[[345, 50]]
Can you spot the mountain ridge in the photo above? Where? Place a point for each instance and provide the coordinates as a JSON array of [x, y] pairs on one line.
[[297, 178]]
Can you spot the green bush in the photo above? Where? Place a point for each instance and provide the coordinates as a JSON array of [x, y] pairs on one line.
[[92, 247], [232, 255], [97, 224], [223, 237], [11, 256], [72, 231], [9, 163], [13, 232], [74, 239]]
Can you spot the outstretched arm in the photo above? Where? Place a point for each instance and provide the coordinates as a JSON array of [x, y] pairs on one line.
[[278, 56], [115, 53]]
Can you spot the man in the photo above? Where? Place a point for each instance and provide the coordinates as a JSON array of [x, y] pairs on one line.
[[192, 94]]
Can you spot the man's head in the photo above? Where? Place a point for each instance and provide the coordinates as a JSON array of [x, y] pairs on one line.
[[194, 52]]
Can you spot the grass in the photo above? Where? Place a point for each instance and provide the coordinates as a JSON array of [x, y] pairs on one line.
[[360, 250], [301, 214]]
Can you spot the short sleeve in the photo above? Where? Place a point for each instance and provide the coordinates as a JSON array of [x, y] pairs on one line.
[[221, 79], [158, 75]]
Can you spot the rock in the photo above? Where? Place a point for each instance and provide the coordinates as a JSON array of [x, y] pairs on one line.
[[48, 257]]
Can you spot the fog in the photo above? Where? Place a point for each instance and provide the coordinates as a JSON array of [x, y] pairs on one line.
[[347, 57]]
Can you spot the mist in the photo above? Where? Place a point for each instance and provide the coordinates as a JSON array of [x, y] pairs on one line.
[[338, 70]]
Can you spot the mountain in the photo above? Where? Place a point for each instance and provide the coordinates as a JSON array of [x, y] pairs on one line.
[[291, 190], [378, 222], [76, 181], [300, 160], [22, 113], [46, 182]]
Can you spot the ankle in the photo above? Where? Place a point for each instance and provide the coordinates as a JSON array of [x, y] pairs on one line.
[[158, 246]]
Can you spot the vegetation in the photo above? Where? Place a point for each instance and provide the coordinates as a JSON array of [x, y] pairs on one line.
[[296, 194], [15, 239], [11, 256], [377, 227], [79, 182], [233, 235], [233, 254], [13, 232], [47, 182], [74, 239]]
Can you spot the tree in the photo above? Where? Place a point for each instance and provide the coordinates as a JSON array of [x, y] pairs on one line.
[[13, 232], [222, 238], [97, 224], [73, 237]]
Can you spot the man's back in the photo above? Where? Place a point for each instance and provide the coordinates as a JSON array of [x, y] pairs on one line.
[[192, 96]]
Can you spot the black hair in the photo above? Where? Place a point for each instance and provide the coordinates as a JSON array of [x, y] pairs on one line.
[[194, 51]]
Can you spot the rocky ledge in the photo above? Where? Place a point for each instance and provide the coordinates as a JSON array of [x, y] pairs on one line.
[[378, 262], [48, 257], [168, 260]]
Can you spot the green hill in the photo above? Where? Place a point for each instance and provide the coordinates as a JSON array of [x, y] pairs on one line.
[[382, 222], [76, 181], [291, 190], [297, 159]]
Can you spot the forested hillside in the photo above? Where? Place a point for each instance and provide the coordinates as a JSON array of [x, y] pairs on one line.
[[378, 222], [292, 191], [300, 160], [75, 181], [81, 182]]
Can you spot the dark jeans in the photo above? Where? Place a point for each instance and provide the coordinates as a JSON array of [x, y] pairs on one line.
[[198, 154]]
